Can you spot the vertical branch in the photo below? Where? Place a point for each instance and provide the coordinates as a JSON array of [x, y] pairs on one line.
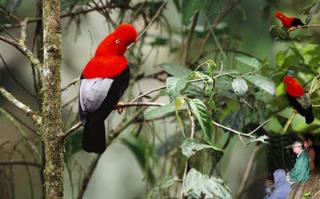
[[51, 99], [186, 168]]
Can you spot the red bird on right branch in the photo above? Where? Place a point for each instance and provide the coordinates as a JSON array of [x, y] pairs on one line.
[[289, 22], [298, 99]]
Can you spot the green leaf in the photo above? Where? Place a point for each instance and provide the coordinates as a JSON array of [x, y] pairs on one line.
[[262, 139], [176, 70], [250, 61], [200, 111], [189, 146], [196, 184], [175, 86], [262, 82], [159, 111], [240, 86], [163, 183]]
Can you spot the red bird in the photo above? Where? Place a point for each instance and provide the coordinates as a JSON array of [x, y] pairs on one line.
[[298, 99], [288, 22], [103, 81]]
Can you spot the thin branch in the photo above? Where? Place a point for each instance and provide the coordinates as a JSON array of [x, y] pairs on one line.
[[36, 118], [260, 126], [71, 14], [147, 93], [189, 38], [9, 14], [221, 16], [20, 163], [232, 130], [24, 50], [306, 26], [14, 78], [289, 121], [186, 166], [120, 105], [164, 3], [73, 82], [138, 104]]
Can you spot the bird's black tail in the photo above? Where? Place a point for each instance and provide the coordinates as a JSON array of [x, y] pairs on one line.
[[94, 138], [309, 115]]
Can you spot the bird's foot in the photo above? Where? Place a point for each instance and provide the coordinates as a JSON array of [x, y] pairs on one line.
[[119, 107]]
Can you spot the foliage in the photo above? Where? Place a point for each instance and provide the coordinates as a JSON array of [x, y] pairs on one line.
[[216, 83]]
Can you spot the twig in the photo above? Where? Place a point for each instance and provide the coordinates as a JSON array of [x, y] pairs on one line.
[[221, 16], [21, 163], [289, 121], [14, 78], [125, 105], [73, 82], [36, 118], [306, 26], [9, 14], [261, 125], [186, 166], [232, 130], [24, 50], [189, 38], [71, 14], [152, 20], [147, 93]]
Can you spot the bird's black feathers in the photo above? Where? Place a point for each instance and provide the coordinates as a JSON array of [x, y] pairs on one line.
[[306, 112], [94, 139]]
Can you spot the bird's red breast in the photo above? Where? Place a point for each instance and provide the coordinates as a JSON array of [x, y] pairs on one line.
[[109, 60], [294, 88], [285, 20]]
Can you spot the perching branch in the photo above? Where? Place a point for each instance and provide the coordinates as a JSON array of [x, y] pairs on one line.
[[120, 105], [20, 163], [249, 135], [27, 110]]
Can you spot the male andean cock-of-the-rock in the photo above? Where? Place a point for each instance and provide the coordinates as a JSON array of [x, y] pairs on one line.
[[103, 81]]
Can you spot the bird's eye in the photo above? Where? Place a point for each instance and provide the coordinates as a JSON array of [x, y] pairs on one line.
[[117, 41]]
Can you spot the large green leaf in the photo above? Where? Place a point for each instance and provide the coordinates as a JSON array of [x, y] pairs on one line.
[[262, 82], [240, 86], [250, 61], [163, 183], [196, 184], [176, 70], [199, 109], [190, 146], [175, 86]]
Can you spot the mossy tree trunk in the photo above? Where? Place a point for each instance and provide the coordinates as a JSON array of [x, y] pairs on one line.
[[51, 99]]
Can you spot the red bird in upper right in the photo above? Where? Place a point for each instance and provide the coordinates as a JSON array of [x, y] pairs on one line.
[[289, 22], [298, 99]]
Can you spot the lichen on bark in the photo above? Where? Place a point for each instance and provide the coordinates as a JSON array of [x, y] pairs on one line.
[[51, 99]]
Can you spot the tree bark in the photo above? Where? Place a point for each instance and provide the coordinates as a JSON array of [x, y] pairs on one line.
[[51, 99]]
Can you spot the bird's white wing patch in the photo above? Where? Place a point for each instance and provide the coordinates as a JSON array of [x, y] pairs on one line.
[[93, 92]]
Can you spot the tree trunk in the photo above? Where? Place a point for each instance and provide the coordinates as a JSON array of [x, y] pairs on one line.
[[51, 99]]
